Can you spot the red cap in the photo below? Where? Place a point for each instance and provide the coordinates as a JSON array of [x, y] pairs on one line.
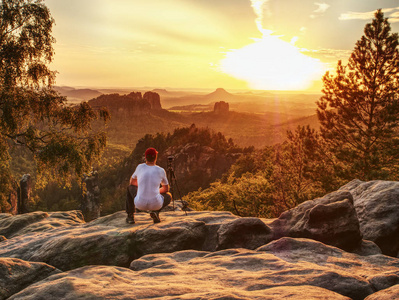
[[151, 152]]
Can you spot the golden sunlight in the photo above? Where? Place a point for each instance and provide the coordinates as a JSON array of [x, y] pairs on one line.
[[272, 64]]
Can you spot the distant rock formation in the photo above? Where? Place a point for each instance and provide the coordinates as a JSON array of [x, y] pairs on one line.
[[220, 94], [154, 100], [128, 105], [206, 255], [221, 108]]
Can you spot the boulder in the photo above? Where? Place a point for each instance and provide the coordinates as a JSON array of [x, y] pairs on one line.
[[387, 294], [377, 207], [16, 274], [331, 219], [247, 233]]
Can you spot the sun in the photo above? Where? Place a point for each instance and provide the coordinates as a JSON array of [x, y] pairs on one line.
[[272, 64]]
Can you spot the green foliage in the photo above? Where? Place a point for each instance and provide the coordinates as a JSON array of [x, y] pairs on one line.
[[359, 112], [266, 182], [33, 115], [249, 195]]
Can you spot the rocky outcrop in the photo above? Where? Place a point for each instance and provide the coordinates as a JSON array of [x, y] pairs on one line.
[[331, 220], [247, 233], [17, 274], [198, 165], [299, 268], [198, 255], [387, 294], [377, 207], [221, 108], [90, 204], [154, 99], [126, 106], [24, 191]]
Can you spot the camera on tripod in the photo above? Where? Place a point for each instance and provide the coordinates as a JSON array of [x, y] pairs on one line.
[[171, 159], [174, 188]]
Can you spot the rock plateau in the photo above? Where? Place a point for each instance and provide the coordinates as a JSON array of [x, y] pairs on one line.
[[340, 246]]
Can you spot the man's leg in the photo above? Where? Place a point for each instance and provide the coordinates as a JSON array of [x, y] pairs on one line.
[[167, 198], [131, 194]]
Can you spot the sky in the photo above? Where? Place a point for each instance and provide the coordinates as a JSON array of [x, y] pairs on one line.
[[208, 44]]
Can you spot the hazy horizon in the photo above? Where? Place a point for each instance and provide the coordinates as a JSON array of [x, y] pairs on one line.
[[233, 44]]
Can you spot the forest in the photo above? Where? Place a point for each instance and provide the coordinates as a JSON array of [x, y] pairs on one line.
[[219, 163]]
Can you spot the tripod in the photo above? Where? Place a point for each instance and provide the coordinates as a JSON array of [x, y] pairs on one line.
[[174, 187]]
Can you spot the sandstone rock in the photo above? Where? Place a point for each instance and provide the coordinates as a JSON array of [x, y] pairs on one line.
[[38, 222], [24, 191], [387, 294], [221, 107], [367, 248], [110, 241], [5, 215], [99, 282], [226, 274], [154, 100], [384, 281], [377, 206], [198, 165], [11, 225], [169, 237], [331, 219], [13, 202], [94, 255], [282, 263], [247, 233], [16, 274], [90, 204]]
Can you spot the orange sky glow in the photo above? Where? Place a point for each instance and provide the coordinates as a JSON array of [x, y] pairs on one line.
[[234, 44]]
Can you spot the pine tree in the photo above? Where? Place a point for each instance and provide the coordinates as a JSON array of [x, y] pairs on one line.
[[359, 111]]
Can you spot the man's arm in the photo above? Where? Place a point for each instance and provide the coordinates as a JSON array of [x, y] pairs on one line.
[[133, 181], [164, 189]]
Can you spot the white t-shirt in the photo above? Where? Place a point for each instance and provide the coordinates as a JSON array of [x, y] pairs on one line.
[[148, 180]]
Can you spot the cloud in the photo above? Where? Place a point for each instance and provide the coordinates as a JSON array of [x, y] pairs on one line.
[[322, 7], [391, 13], [259, 7]]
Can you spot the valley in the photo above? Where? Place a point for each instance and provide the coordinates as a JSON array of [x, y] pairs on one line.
[[254, 118]]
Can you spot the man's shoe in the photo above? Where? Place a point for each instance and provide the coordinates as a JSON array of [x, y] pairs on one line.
[[130, 220], [155, 216]]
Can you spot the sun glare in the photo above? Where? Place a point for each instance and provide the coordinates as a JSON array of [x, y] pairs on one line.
[[272, 64]]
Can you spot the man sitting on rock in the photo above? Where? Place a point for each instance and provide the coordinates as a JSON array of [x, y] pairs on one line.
[[144, 192]]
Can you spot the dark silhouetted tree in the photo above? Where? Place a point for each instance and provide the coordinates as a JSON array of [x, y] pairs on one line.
[[33, 115], [359, 111]]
